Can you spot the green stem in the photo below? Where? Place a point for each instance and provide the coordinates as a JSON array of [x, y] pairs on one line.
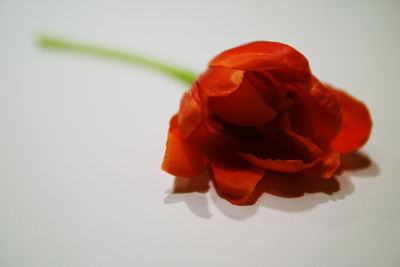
[[168, 69]]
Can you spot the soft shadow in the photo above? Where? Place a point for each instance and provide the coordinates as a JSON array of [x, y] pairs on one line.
[[296, 193], [310, 193], [234, 212], [197, 203], [285, 192], [293, 185], [197, 200], [359, 164], [199, 184]]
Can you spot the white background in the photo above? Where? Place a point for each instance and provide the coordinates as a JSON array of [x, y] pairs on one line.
[[82, 139]]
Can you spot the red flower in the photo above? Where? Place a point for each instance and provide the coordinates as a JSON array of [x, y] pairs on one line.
[[258, 108]]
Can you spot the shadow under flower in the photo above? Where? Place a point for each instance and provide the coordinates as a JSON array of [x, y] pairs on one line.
[[196, 201], [285, 192]]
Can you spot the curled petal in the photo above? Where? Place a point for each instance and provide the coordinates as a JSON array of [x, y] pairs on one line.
[[330, 164], [274, 94], [189, 115], [274, 165], [325, 166], [236, 182], [356, 124], [287, 75], [325, 97], [309, 147], [244, 107], [261, 56], [220, 81], [183, 158], [279, 141], [292, 185], [317, 113]]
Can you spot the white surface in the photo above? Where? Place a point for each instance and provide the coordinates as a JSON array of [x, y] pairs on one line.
[[81, 139]]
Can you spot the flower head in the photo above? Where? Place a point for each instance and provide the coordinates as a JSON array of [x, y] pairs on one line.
[[257, 109]]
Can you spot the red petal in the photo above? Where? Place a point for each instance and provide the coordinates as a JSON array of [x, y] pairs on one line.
[[325, 97], [325, 166], [330, 163], [292, 185], [261, 56], [317, 112], [313, 150], [183, 158], [274, 95], [189, 115], [236, 183], [271, 141], [220, 81], [286, 75], [274, 165], [356, 124], [244, 107]]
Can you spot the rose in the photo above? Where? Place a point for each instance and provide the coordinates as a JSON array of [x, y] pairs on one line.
[[258, 109]]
